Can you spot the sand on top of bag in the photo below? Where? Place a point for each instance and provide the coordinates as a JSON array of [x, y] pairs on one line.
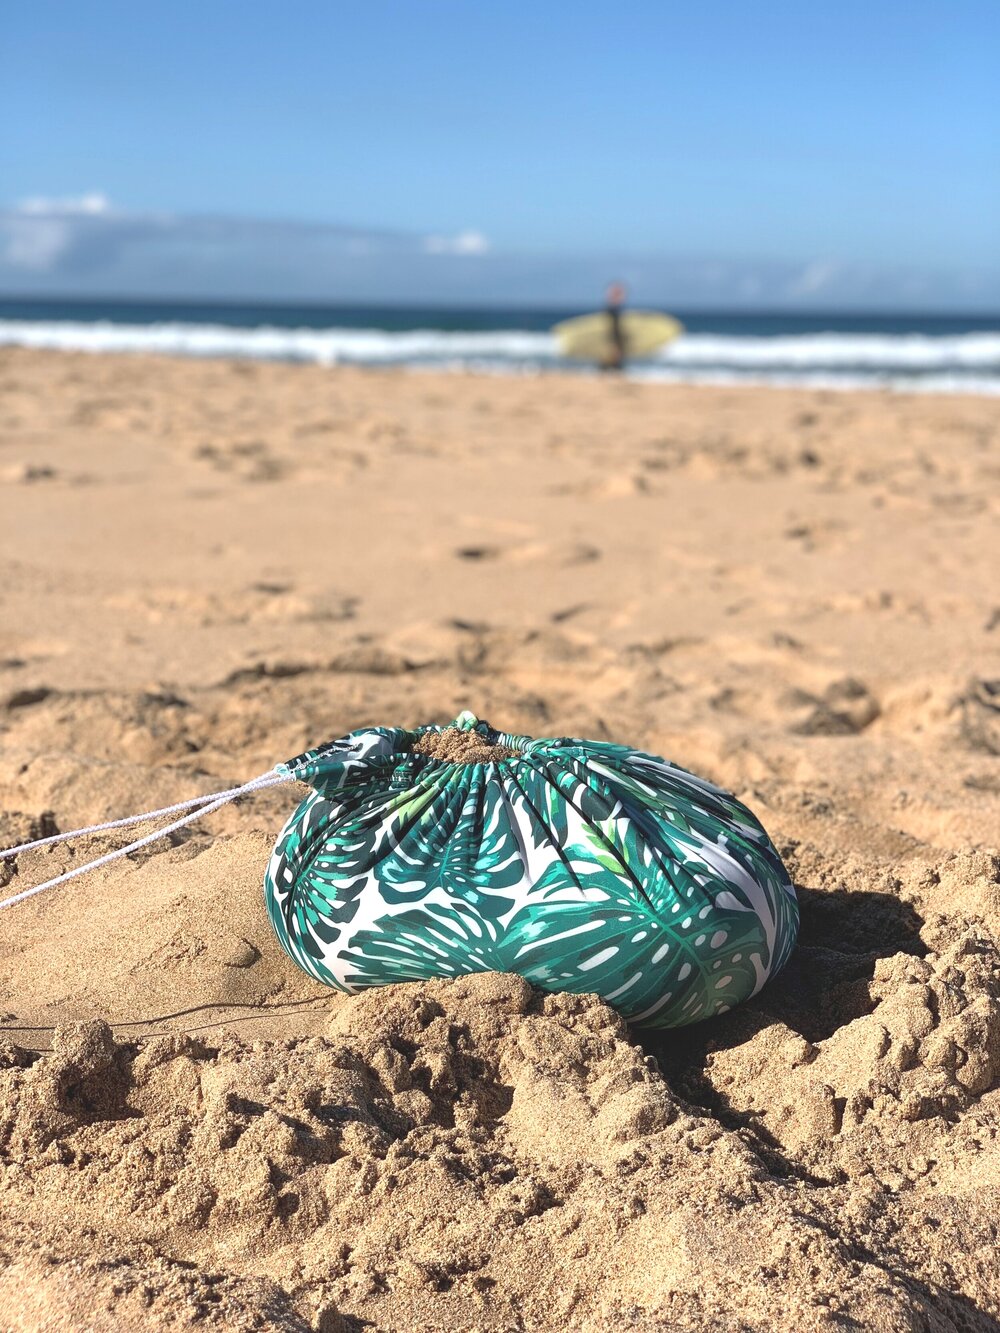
[[212, 566], [455, 746]]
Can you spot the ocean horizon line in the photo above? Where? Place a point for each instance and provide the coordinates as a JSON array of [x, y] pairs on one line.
[[555, 309]]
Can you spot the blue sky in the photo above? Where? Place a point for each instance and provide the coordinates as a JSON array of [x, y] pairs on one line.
[[842, 151]]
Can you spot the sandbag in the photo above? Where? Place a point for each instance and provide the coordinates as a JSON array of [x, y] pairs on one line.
[[581, 865]]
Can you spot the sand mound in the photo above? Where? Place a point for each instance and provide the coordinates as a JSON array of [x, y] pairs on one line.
[[475, 1154]]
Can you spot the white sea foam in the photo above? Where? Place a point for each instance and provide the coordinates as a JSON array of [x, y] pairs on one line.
[[270, 343], [910, 352], [967, 362]]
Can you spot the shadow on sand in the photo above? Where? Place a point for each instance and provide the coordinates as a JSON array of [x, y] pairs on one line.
[[824, 986]]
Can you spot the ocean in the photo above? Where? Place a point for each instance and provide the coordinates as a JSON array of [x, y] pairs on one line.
[[930, 353]]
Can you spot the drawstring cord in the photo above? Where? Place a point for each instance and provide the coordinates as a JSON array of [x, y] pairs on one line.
[[206, 805]]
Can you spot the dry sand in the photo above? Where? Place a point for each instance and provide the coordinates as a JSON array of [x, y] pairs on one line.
[[208, 567]]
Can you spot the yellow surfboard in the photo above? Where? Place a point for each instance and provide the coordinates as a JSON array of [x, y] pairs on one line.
[[588, 337]]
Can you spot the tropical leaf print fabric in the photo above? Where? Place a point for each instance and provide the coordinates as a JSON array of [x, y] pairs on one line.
[[581, 865]]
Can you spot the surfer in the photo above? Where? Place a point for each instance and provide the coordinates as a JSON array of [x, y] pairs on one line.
[[609, 337], [614, 301]]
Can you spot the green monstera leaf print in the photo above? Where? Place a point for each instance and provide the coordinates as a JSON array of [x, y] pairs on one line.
[[580, 865]]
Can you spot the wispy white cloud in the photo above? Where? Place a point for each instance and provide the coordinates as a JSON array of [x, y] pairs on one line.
[[88, 246], [36, 233], [35, 246], [65, 235], [465, 243], [813, 278], [82, 205]]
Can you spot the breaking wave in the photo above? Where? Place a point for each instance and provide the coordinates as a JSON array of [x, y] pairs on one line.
[[966, 362]]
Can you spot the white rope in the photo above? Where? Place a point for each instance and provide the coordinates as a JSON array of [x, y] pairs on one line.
[[269, 779], [207, 805]]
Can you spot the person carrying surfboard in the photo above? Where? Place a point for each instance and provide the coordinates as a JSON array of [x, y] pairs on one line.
[[607, 338], [614, 301]]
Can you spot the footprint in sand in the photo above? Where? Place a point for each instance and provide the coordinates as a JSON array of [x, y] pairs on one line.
[[818, 535], [557, 553], [250, 460], [621, 486], [322, 426], [845, 708], [26, 474], [569, 613], [261, 603], [977, 708], [668, 456], [25, 697], [479, 552]]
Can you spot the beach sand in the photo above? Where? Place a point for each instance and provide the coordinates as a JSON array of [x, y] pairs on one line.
[[209, 566]]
